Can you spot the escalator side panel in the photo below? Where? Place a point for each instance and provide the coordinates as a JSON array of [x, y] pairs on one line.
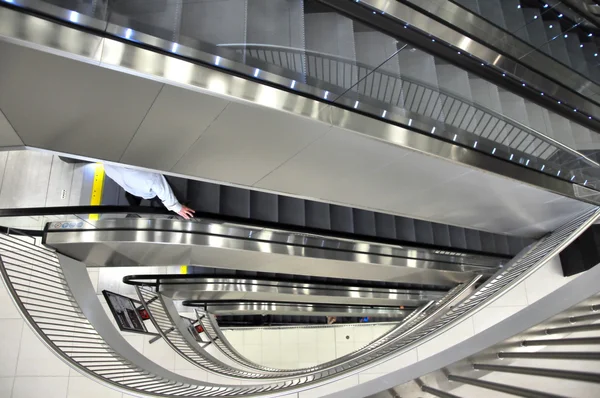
[[473, 239], [385, 226], [342, 219], [235, 201], [318, 215], [501, 242], [441, 234], [458, 237], [264, 206], [364, 222], [405, 229], [179, 186], [291, 211], [424, 231], [487, 241], [203, 196]]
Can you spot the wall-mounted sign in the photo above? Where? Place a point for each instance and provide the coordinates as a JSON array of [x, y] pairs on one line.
[[129, 317]]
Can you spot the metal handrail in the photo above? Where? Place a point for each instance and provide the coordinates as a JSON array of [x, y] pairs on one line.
[[169, 325], [218, 338], [19, 258], [508, 120]]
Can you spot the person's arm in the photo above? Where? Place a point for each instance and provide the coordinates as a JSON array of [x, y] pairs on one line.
[[163, 190]]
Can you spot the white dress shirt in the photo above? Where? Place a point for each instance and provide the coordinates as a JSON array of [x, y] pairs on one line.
[[144, 184]]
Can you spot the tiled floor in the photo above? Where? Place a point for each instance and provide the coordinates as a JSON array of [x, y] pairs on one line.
[[292, 348]]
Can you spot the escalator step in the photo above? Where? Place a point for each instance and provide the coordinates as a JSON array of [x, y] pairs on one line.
[[291, 211], [515, 245], [179, 187], [473, 239], [113, 194], [424, 231], [246, 274], [317, 215], [441, 234], [226, 272], [457, 237], [385, 226], [487, 242], [364, 222], [264, 206], [501, 243], [202, 270], [235, 201], [204, 196], [405, 229], [341, 218]]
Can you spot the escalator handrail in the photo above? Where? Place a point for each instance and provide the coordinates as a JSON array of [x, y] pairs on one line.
[[530, 260], [236, 220], [416, 82], [414, 322]]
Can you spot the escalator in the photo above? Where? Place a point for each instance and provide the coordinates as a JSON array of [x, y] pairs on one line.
[[556, 28], [356, 67], [237, 205], [241, 298]]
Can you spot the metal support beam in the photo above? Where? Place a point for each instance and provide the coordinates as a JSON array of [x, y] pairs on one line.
[[584, 318], [581, 356], [580, 341], [573, 329], [518, 391], [437, 393], [554, 373]]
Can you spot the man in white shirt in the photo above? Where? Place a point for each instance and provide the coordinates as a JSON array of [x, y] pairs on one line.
[[147, 185]]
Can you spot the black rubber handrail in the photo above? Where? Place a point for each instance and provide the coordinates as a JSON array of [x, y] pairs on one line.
[[154, 280]]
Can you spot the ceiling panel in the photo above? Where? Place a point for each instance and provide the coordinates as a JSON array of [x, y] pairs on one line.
[[69, 106], [245, 143], [345, 167], [334, 167], [8, 136], [176, 120]]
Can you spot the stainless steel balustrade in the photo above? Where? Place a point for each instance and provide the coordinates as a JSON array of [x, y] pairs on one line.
[[217, 337], [447, 114], [511, 367], [452, 112], [428, 109], [174, 330], [63, 313]]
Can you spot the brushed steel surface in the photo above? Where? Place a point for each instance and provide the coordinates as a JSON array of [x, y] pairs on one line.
[[109, 125], [245, 143], [302, 310], [266, 252], [175, 122], [271, 235], [79, 108], [573, 88], [8, 136], [242, 289]]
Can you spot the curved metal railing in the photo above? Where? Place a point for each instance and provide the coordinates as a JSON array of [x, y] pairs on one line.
[[412, 95], [175, 331], [218, 338], [35, 280]]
